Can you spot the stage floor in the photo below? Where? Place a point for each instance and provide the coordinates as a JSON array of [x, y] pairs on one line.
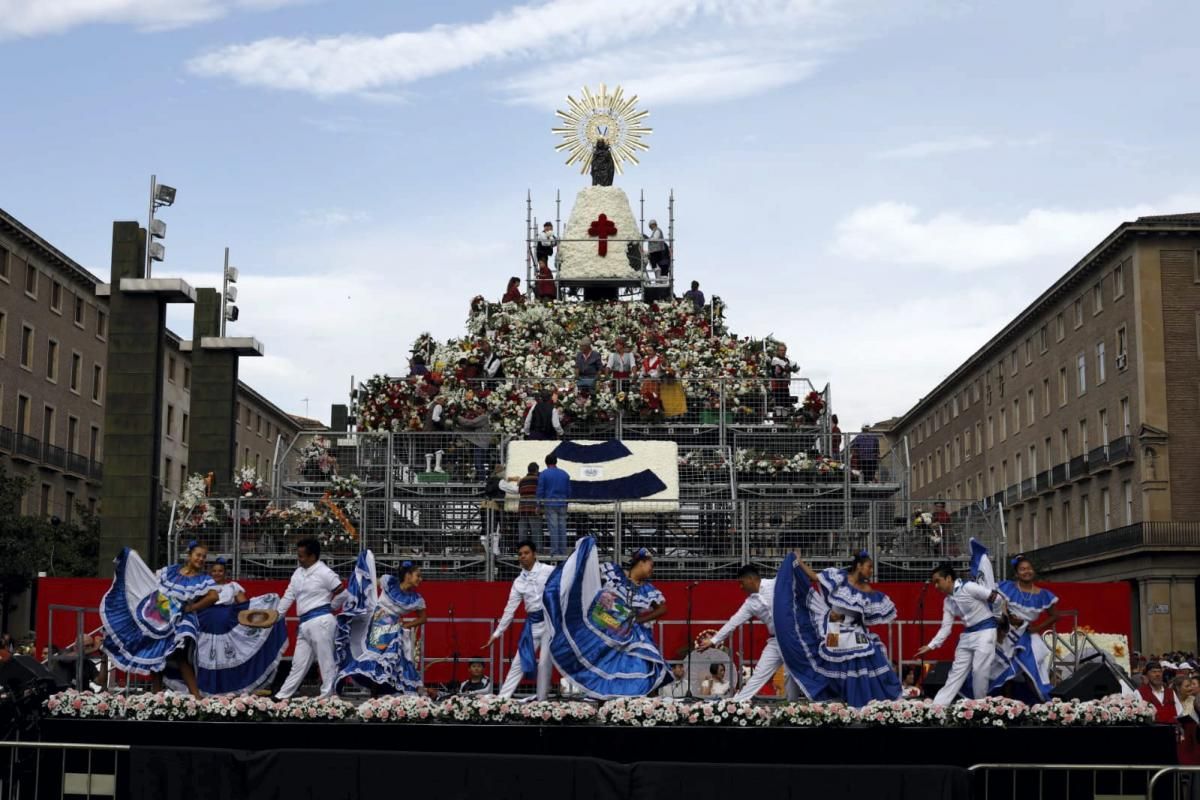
[[959, 747]]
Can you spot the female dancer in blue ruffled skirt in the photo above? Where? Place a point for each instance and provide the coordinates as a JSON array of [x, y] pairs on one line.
[[1021, 655], [601, 620], [168, 625], [822, 623], [374, 645]]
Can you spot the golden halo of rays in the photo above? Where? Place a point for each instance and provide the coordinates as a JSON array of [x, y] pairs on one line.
[[602, 115]]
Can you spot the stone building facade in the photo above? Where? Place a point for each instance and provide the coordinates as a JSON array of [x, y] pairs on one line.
[[1082, 418]]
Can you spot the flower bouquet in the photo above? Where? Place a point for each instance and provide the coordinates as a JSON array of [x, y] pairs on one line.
[[85, 705], [543, 712], [642, 712], [397, 708], [478, 709], [902, 713], [989, 712], [728, 714], [812, 715]]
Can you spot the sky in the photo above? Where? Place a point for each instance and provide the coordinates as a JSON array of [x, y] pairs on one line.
[[882, 185]]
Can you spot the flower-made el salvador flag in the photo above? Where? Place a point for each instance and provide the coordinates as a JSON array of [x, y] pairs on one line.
[[606, 472]]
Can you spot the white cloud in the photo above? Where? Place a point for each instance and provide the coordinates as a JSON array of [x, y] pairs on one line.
[[957, 144], [937, 147], [698, 73], [333, 217], [896, 233], [533, 32], [38, 17]]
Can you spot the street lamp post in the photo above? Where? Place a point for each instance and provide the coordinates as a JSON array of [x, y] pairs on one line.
[[161, 196]]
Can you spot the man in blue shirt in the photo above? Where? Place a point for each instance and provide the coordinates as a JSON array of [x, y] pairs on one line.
[[553, 491]]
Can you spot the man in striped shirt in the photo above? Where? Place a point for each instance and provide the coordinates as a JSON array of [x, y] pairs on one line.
[[529, 517]]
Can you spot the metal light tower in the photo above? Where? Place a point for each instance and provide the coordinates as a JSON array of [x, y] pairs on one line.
[[161, 196], [229, 313]]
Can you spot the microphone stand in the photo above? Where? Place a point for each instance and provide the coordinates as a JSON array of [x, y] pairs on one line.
[[688, 651], [920, 631], [454, 656]]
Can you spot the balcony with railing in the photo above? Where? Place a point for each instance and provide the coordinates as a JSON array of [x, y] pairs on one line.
[[26, 448], [1168, 537]]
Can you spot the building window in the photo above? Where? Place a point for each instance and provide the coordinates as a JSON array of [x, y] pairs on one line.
[[68, 507], [1122, 346], [168, 468], [954, 402], [1042, 345], [1049, 525], [101, 323], [1067, 521], [991, 480], [171, 368], [258, 424], [1062, 386], [52, 361], [978, 438], [1060, 328], [3, 333], [23, 406], [4, 259], [97, 383], [27, 347], [1019, 472], [1101, 370], [56, 295], [76, 371], [1103, 415], [1012, 362], [94, 444], [1045, 397], [1030, 408], [967, 444], [1085, 522], [957, 452], [1003, 424], [1064, 443], [1127, 489], [975, 391], [182, 476], [1083, 437], [991, 433], [170, 420], [73, 434], [1033, 525], [31, 280], [80, 308], [1118, 281], [47, 500], [187, 377], [1098, 297], [1081, 373], [184, 428], [48, 425], [1124, 416], [1033, 470], [1078, 312], [1029, 351], [1020, 541], [1016, 415]]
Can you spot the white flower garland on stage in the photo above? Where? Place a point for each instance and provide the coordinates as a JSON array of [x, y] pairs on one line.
[[641, 712]]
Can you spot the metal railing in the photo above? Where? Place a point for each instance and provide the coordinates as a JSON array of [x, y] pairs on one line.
[[29, 448], [1063, 781], [38, 770], [1167, 535], [1082, 466], [469, 537]]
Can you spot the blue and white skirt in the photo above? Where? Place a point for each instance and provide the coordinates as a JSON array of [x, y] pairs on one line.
[[372, 647], [857, 673], [1023, 655], [143, 626], [596, 641], [231, 658]]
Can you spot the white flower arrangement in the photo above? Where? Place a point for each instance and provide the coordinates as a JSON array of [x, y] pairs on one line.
[[196, 509], [478, 708], [812, 715], [902, 713], [85, 705], [990, 712], [728, 714], [315, 709], [248, 708], [642, 712], [1080, 713], [545, 712], [161, 706], [409, 708]]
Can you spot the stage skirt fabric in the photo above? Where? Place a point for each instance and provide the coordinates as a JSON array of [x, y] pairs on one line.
[[232, 658], [142, 612], [372, 645], [596, 641], [856, 669]]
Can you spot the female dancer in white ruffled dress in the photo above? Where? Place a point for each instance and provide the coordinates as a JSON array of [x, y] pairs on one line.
[[374, 645], [822, 625], [1021, 655], [168, 625]]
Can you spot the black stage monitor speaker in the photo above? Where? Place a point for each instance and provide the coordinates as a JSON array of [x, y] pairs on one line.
[[1090, 682], [22, 670], [936, 677]]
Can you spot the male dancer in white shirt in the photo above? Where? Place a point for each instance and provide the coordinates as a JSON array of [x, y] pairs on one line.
[[972, 603], [317, 591], [760, 594], [533, 648]]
